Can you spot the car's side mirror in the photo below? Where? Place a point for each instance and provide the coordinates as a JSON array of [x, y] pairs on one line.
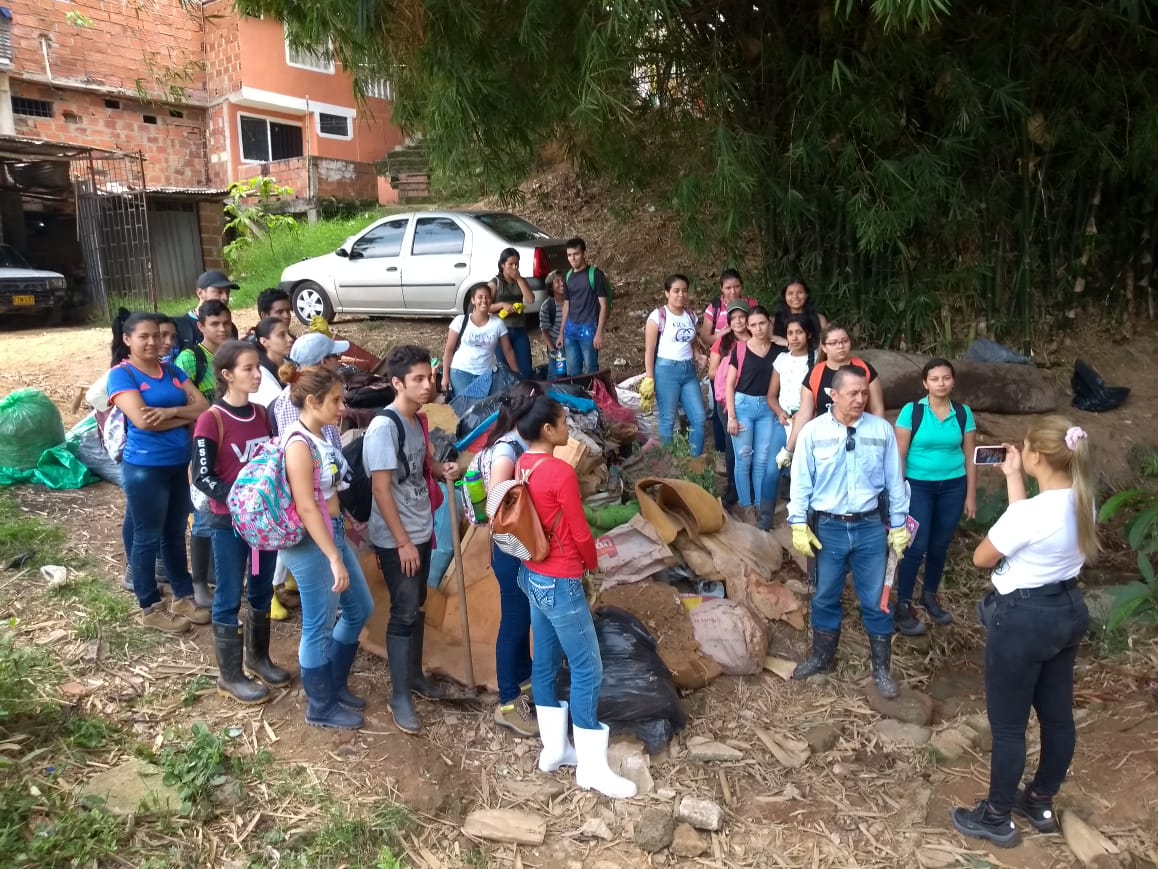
[[356, 254], [341, 252]]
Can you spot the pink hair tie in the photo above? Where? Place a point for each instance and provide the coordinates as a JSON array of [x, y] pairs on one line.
[[1073, 435]]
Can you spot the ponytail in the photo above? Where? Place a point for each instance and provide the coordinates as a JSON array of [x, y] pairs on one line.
[[512, 407], [288, 372], [125, 323], [1066, 447]]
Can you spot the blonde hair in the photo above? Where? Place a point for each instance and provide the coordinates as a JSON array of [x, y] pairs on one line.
[[1047, 437]]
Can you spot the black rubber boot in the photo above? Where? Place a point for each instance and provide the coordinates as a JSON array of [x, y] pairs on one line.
[[981, 822], [231, 679], [257, 659], [401, 705], [200, 556], [823, 657], [931, 603], [905, 620], [202, 595], [1037, 810], [341, 660], [419, 684], [881, 649], [322, 707]]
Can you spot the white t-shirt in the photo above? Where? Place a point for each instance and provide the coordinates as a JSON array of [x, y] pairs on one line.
[[333, 472], [267, 390], [792, 370], [679, 331], [475, 352], [1039, 539]]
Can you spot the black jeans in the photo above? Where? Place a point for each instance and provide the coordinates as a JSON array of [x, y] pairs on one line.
[[407, 593], [1029, 662]]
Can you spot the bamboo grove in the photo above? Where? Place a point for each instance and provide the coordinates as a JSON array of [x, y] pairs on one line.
[[931, 167]]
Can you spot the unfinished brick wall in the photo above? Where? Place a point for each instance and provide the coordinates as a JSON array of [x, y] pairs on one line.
[[211, 220]]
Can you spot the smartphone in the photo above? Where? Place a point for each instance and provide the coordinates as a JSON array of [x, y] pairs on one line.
[[988, 455]]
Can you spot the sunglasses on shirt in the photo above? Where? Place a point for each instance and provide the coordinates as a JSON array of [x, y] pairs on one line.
[[849, 439]]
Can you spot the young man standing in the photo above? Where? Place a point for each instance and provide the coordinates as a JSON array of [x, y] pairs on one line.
[[211, 285], [396, 454], [584, 311], [215, 324]]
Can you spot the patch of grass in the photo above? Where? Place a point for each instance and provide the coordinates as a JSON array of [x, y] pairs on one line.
[[365, 842], [101, 609], [41, 826], [21, 533], [202, 763], [697, 470], [193, 691], [88, 733], [26, 675], [477, 857]]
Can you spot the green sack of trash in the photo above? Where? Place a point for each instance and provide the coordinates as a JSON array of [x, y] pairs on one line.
[[29, 425], [58, 468]]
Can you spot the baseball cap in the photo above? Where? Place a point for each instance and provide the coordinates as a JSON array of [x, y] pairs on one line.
[[220, 280], [313, 347], [738, 305]]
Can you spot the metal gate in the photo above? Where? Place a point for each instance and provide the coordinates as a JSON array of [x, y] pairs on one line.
[[112, 222]]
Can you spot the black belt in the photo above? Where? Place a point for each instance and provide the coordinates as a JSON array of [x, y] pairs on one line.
[[850, 517], [1054, 588]]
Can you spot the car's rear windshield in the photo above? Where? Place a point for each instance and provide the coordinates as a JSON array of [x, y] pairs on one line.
[[511, 228]]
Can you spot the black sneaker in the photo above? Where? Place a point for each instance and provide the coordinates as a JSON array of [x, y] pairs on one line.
[[906, 621], [1037, 810], [981, 823], [931, 603]]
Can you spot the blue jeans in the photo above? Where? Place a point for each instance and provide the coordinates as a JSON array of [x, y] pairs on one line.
[[937, 505], [561, 624], [513, 644], [579, 348], [676, 385], [201, 524], [461, 380], [860, 546], [158, 502], [311, 570], [232, 560], [761, 436], [521, 344]]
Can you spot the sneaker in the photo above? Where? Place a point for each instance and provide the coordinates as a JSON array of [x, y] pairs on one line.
[[161, 619], [982, 823], [931, 603], [517, 716], [185, 606], [1037, 810], [906, 621]]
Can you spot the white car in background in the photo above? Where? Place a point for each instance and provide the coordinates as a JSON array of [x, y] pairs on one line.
[[26, 291], [420, 264]]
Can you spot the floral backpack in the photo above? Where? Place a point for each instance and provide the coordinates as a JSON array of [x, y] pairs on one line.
[[261, 503]]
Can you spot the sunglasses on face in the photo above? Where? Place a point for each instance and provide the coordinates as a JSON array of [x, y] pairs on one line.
[[849, 439], [330, 356]]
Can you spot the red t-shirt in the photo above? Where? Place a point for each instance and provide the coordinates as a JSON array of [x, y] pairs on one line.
[[239, 442], [554, 487]]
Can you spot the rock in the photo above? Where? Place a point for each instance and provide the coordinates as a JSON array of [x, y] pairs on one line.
[[701, 814], [703, 749], [1087, 843], [666, 793], [629, 760], [506, 825], [935, 858], [688, 842], [909, 706], [782, 667], [822, 738], [543, 789], [983, 738], [132, 787], [595, 828], [901, 733], [228, 795], [950, 745], [654, 830]]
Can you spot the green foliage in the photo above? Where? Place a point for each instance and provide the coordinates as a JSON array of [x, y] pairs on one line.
[[26, 674], [20, 533], [39, 826], [355, 842], [700, 471], [200, 764], [1135, 600], [248, 215], [932, 168], [197, 686]]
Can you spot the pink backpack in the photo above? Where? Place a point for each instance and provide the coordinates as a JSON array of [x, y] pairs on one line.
[[261, 503]]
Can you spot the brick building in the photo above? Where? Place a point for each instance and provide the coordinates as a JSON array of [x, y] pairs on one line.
[[203, 96]]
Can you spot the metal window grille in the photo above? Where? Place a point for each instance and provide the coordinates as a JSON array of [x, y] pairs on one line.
[[31, 108]]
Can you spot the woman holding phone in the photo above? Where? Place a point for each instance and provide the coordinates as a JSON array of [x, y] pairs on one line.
[[1035, 618]]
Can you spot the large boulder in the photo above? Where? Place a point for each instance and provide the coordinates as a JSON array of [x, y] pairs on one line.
[[983, 386]]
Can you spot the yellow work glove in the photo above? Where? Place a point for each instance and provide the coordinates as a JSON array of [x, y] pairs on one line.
[[783, 458], [646, 395], [899, 539], [518, 308], [319, 324], [803, 540]]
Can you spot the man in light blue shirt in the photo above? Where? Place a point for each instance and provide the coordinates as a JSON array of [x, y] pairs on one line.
[[845, 460]]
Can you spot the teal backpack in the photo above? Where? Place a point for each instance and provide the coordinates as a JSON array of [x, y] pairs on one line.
[[591, 281]]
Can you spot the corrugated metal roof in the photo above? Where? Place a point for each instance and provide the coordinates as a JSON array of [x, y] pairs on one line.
[[24, 148], [206, 192]]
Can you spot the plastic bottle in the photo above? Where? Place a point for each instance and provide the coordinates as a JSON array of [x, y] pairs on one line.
[[476, 490]]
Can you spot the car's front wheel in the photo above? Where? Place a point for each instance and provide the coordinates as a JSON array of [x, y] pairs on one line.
[[310, 300]]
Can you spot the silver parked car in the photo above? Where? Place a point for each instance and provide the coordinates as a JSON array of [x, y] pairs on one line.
[[419, 264], [27, 291]]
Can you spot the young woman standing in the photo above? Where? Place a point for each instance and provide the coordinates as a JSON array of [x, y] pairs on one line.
[[560, 618], [1036, 619], [159, 404], [796, 301], [718, 365], [324, 564], [757, 435], [472, 344], [936, 437], [788, 373], [225, 438], [273, 341], [511, 288], [669, 337]]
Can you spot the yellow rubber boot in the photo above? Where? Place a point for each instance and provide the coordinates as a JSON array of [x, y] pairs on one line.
[[276, 611], [290, 582]]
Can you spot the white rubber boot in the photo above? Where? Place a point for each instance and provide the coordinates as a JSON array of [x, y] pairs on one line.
[[594, 773], [557, 748]]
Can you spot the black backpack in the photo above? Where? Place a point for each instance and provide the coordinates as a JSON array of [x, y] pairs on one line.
[[188, 335], [919, 414], [358, 499]]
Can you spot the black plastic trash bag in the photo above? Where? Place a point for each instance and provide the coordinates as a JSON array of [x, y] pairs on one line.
[[1091, 393], [443, 446], [984, 350], [476, 415], [637, 694]]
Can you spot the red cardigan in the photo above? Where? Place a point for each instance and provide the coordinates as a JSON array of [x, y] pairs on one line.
[[554, 487]]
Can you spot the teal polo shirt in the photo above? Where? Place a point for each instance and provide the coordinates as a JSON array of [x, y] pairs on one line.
[[935, 453]]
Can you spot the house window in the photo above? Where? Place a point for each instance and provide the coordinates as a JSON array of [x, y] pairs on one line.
[[434, 235], [263, 141], [31, 108], [334, 126], [379, 88], [310, 58]]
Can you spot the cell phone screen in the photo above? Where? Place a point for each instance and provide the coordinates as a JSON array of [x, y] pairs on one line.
[[989, 455]]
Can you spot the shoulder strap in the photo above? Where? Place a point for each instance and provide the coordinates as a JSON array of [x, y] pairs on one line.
[[591, 277], [403, 463], [740, 352], [220, 426], [661, 315], [918, 415], [814, 380], [959, 410], [200, 365]]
